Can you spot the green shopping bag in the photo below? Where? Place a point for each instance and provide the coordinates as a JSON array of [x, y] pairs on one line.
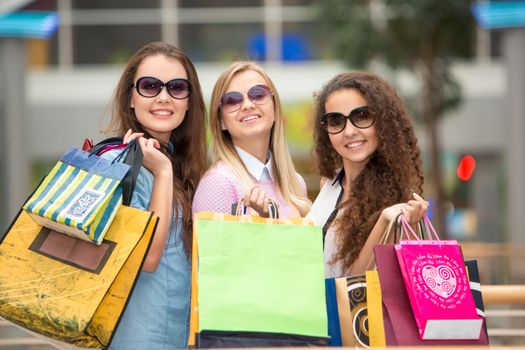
[[258, 275]]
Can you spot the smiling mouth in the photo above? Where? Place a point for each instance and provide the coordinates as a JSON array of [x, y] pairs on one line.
[[354, 144], [162, 113], [249, 118]]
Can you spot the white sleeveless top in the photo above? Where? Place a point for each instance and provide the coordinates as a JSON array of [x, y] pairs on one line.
[[324, 211]]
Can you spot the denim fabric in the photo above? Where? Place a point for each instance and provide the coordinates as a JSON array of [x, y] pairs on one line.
[[157, 315]]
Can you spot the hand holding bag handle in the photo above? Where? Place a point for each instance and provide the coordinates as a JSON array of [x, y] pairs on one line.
[[423, 232], [239, 208], [133, 157]]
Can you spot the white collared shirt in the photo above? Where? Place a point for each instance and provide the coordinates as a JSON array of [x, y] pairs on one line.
[[324, 212], [255, 167]]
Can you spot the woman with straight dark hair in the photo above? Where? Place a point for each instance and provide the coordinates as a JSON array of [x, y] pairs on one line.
[[158, 102]]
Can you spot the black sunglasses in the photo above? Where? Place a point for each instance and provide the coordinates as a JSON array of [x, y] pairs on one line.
[[150, 87], [258, 94], [335, 122]]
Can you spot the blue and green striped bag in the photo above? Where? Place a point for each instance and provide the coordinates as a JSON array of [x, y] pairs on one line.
[[80, 196]]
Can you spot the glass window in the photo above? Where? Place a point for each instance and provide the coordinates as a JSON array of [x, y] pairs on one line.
[[222, 3], [296, 2], [218, 42], [111, 44], [114, 4], [304, 41]]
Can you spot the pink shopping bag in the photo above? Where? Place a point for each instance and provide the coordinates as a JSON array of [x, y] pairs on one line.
[[438, 287], [400, 324]]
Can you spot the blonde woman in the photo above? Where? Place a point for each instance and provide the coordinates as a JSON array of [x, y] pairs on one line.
[[250, 155]]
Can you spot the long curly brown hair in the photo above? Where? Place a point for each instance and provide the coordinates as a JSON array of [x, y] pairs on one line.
[[391, 174], [189, 159]]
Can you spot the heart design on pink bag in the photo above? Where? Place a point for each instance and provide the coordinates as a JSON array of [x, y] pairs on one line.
[[440, 279]]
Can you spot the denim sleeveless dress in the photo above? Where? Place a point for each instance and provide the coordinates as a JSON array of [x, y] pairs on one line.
[[157, 314]]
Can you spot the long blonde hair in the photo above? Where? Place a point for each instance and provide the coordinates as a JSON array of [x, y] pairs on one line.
[[223, 149]]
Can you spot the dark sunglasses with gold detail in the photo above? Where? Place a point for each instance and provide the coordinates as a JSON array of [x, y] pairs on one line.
[[335, 122]]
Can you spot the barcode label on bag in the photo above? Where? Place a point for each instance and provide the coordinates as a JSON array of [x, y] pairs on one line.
[[82, 204]]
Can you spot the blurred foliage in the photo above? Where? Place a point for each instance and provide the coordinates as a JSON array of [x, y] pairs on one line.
[[229, 55], [120, 56], [403, 34], [299, 119], [39, 169], [421, 36], [397, 30], [299, 125]]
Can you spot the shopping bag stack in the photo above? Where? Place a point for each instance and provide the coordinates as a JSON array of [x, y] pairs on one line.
[[402, 269], [80, 196], [375, 309], [64, 288], [348, 301], [257, 282], [68, 289], [438, 287]]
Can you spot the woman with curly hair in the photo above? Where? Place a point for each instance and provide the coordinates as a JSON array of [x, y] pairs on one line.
[[370, 166]]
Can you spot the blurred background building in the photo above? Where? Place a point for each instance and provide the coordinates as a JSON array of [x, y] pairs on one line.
[[67, 79], [70, 78]]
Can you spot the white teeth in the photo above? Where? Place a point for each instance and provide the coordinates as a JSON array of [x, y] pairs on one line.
[[161, 113], [252, 117], [354, 144]]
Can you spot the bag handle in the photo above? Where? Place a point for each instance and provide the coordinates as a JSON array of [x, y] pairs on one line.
[[410, 232], [392, 224], [99, 147], [429, 225], [132, 154], [384, 240], [125, 148], [239, 209], [422, 229], [133, 158], [420, 225]]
